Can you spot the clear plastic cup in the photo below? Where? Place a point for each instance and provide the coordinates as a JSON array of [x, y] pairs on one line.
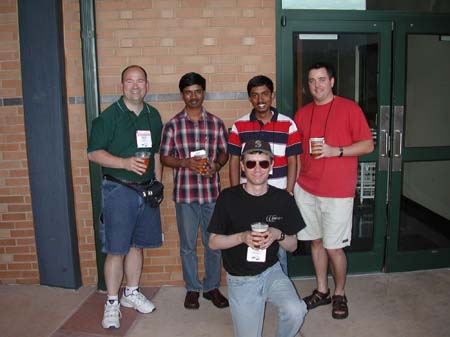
[[314, 145], [143, 155], [260, 227], [204, 161]]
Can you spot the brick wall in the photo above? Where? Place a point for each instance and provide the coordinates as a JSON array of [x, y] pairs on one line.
[[18, 261], [228, 42]]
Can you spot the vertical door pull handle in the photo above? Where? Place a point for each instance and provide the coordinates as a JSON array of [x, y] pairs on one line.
[[397, 143], [384, 145], [384, 138], [398, 140]]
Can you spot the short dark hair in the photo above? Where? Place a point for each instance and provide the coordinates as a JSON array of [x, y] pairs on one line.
[[191, 79], [259, 81], [133, 66], [328, 67]]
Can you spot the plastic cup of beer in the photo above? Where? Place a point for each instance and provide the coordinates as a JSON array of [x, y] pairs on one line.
[[143, 155], [204, 161], [314, 145], [259, 227]]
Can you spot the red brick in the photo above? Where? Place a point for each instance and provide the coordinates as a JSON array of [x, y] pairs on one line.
[[30, 242], [24, 258], [22, 233], [11, 199], [7, 242], [25, 224], [19, 208], [153, 269], [17, 181], [13, 216], [32, 280]]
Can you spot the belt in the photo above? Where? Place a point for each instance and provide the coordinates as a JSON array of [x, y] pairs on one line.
[[126, 182]]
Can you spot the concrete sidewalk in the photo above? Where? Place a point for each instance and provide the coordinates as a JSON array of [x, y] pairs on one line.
[[409, 304]]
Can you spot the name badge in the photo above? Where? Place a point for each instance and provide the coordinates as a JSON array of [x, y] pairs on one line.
[[198, 153], [256, 255], [143, 138]]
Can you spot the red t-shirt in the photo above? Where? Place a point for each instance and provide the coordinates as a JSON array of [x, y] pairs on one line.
[[342, 123]]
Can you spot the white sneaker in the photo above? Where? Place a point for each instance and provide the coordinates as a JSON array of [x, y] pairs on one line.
[[111, 315], [137, 301]]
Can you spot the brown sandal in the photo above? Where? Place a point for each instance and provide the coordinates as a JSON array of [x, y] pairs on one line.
[[317, 298], [340, 307]]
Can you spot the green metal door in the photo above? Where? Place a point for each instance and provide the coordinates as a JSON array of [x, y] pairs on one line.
[[419, 206], [361, 53], [396, 67]]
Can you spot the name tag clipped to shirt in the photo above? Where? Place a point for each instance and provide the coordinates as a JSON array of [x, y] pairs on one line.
[[198, 153], [256, 255], [144, 138]]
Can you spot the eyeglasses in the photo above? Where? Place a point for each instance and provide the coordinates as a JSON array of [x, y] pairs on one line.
[[251, 164]]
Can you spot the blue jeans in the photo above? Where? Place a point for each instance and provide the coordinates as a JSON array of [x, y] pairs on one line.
[[189, 217], [282, 257], [248, 296]]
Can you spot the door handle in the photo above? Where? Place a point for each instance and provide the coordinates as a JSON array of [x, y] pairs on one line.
[[384, 143], [383, 154], [397, 143], [398, 140]]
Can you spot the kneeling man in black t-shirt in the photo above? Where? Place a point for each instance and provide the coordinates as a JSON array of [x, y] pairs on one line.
[[249, 223]]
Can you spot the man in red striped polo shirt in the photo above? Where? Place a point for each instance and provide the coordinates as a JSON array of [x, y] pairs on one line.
[[264, 122]]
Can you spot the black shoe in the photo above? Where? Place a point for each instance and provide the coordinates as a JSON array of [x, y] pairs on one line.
[[191, 300], [217, 298], [317, 298]]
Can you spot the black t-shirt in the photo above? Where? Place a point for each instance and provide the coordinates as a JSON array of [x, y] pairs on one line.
[[236, 210]]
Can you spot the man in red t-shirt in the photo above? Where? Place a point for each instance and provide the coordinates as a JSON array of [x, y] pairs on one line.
[[334, 132]]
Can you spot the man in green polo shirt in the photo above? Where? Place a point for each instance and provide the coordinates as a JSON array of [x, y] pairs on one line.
[[129, 224]]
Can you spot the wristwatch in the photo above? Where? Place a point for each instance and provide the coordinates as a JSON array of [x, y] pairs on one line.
[[341, 151], [282, 236]]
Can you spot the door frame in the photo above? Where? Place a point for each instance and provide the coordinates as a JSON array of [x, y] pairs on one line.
[[366, 261], [290, 21]]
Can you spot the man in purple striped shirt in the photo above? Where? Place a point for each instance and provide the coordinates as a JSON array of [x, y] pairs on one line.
[[194, 144]]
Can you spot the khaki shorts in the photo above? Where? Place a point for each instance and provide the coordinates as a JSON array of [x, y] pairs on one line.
[[329, 219]]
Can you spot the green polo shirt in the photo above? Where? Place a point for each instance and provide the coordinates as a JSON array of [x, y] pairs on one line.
[[115, 132]]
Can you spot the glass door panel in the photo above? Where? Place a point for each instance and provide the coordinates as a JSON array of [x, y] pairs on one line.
[[419, 212], [359, 65], [424, 206], [355, 58], [428, 91], [364, 209]]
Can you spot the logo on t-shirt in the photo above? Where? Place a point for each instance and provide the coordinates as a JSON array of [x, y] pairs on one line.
[[273, 218]]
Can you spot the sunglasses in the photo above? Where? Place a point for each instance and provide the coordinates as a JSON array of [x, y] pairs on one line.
[[251, 164]]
